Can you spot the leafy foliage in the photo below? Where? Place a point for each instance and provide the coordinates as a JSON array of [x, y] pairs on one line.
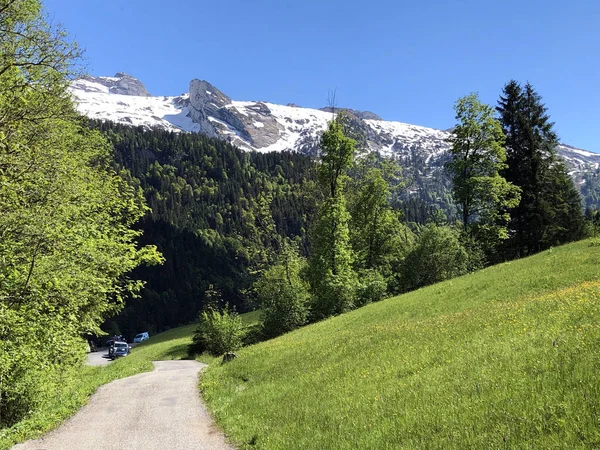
[[283, 294], [66, 246], [330, 273], [372, 287], [438, 255], [218, 332], [481, 193], [378, 237]]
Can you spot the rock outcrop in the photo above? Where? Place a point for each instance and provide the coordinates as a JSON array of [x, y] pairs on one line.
[[210, 108], [122, 84], [364, 115]]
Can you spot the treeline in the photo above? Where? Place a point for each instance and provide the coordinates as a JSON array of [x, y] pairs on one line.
[[512, 192], [66, 243], [221, 216]]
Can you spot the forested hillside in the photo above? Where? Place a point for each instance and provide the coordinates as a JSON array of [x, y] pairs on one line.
[[221, 217], [216, 212]]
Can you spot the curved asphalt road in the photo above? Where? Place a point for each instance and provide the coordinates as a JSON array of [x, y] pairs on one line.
[[98, 358], [158, 410]]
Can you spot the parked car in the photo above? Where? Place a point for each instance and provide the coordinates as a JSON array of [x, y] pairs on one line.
[[141, 337], [119, 349]]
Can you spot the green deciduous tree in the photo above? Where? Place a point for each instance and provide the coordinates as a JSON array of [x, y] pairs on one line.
[[330, 273], [379, 239], [437, 255], [550, 211], [66, 244], [483, 196]]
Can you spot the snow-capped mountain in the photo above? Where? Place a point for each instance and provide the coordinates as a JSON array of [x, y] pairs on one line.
[[263, 126]]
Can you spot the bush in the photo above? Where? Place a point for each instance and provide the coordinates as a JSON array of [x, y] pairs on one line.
[[283, 296], [438, 255], [336, 294], [372, 287], [253, 335], [218, 332]]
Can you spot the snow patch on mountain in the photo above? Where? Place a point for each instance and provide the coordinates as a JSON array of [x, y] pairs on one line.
[[95, 101], [268, 127]]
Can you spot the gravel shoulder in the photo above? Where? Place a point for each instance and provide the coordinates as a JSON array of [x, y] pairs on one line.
[[151, 411]]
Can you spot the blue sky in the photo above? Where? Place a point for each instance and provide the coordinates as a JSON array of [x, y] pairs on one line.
[[404, 60]]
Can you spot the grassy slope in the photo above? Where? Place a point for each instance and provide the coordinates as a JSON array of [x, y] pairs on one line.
[[504, 358], [169, 345]]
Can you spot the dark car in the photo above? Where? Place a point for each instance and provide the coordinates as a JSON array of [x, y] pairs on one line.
[[119, 349], [113, 339]]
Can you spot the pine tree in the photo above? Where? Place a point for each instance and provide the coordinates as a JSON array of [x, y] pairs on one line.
[[549, 212]]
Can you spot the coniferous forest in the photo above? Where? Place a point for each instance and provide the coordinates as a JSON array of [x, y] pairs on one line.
[[216, 214]]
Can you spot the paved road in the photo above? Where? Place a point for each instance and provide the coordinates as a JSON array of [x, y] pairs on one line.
[[159, 410], [99, 358]]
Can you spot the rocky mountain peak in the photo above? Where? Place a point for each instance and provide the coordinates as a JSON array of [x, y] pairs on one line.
[[364, 115], [209, 107], [128, 85], [204, 95], [121, 84]]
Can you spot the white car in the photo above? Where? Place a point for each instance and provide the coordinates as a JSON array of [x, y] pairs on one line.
[[141, 337]]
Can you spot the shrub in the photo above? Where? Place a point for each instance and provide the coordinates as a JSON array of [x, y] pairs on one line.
[[218, 332], [283, 296], [372, 287], [253, 335], [438, 255], [336, 294]]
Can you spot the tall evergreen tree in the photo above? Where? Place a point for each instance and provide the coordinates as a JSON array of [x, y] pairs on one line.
[[549, 212], [478, 155], [332, 279]]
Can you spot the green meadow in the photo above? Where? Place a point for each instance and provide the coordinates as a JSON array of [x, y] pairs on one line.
[[504, 358]]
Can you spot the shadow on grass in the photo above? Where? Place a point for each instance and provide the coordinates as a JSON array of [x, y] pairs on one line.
[[176, 352]]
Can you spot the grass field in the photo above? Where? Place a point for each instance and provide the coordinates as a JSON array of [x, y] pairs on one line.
[[508, 357]]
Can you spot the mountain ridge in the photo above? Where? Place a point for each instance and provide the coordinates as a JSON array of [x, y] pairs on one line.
[[262, 126]]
